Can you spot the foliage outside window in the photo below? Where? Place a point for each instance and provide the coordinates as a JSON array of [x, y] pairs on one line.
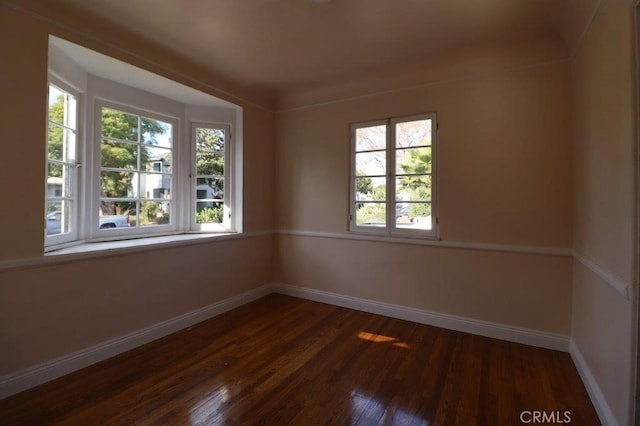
[[393, 179], [136, 170]]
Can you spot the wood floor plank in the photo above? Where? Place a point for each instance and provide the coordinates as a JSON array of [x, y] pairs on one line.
[[282, 360]]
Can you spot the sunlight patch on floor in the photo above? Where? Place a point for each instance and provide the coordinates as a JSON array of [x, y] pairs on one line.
[[379, 338]]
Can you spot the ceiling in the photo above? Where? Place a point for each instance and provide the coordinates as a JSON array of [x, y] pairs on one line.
[[282, 45]]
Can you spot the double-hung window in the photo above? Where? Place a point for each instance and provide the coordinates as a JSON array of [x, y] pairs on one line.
[[393, 180]]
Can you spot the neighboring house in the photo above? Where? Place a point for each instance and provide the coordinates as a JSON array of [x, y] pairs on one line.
[[156, 185], [54, 187], [206, 192]]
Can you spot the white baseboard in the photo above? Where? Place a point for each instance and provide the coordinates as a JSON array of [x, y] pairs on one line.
[[36, 375], [595, 393], [482, 328]]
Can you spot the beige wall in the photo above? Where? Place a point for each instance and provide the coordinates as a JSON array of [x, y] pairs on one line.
[[504, 159], [507, 288], [604, 226], [51, 310], [504, 178]]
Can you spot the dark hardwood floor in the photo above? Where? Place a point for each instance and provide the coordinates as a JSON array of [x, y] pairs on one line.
[[282, 360]]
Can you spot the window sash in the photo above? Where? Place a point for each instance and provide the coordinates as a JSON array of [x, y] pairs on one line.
[[393, 144], [226, 199], [137, 197], [68, 164]]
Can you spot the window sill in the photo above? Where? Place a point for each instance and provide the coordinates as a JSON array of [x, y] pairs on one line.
[[90, 250], [139, 244], [373, 233]]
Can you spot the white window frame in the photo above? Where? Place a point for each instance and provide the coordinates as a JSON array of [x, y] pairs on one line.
[[76, 199], [228, 222], [390, 228], [93, 220]]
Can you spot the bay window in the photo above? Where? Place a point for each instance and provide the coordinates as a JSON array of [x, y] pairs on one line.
[[157, 157]]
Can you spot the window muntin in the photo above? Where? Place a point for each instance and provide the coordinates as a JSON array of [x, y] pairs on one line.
[[393, 176], [61, 177], [211, 195], [136, 173]]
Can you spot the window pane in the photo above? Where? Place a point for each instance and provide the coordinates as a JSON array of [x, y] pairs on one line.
[[154, 185], [209, 163], [156, 132], [59, 180], [61, 143], [371, 189], [413, 160], [413, 188], [56, 104], [413, 133], [154, 213], [371, 163], [371, 138], [119, 155], [55, 145], [211, 140], [125, 209], [54, 187], [210, 189], [371, 214], [119, 125], [54, 170], [58, 217], [156, 159], [119, 184], [413, 215], [209, 212], [364, 189]]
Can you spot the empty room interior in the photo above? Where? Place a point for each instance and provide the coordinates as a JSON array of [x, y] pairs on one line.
[[319, 211]]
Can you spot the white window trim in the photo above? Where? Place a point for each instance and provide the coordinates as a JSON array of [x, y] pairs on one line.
[[390, 228]]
